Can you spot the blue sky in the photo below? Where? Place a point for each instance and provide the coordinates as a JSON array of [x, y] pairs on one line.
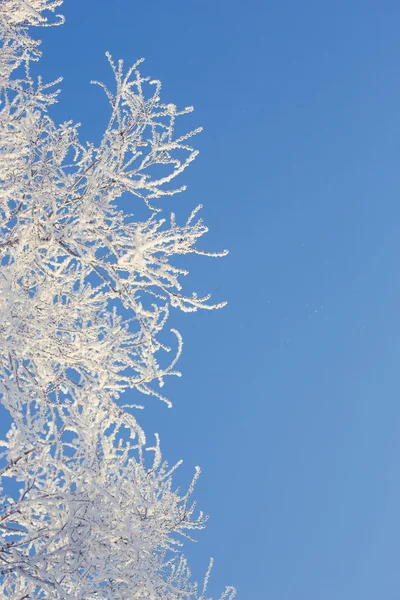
[[290, 396]]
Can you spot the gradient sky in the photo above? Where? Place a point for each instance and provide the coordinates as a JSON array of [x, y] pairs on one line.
[[289, 398]]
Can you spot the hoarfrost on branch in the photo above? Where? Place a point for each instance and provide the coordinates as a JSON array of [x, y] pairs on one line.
[[85, 294]]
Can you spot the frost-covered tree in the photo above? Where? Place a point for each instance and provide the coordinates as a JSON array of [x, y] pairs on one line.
[[85, 293]]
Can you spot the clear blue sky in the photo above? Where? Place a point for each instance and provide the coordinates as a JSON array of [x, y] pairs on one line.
[[290, 397]]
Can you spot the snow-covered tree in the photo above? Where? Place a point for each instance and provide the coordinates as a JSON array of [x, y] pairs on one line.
[[85, 294]]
